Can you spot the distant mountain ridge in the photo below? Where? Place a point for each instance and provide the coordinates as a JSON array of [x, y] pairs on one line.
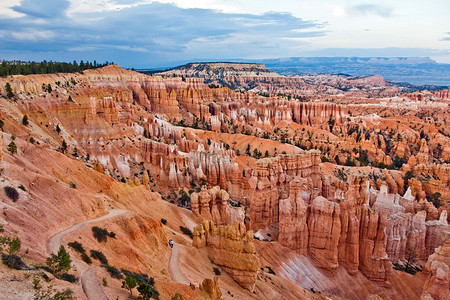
[[413, 70]]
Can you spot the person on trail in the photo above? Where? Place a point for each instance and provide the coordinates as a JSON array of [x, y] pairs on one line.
[[171, 243]]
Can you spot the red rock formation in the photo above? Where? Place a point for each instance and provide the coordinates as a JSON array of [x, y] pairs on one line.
[[373, 260], [211, 205], [437, 268], [232, 248], [211, 288], [324, 227], [293, 227], [349, 238]]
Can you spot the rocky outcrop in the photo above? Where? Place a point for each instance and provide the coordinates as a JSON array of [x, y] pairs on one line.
[[437, 268], [211, 288], [211, 205], [435, 228], [232, 248]]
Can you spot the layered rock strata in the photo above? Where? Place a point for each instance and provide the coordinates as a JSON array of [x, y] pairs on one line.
[[437, 268], [232, 248], [211, 205]]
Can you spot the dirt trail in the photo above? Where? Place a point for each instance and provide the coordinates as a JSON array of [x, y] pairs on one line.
[[174, 269], [91, 287]]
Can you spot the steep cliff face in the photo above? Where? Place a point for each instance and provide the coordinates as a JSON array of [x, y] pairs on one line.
[[348, 250], [324, 227], [373, 260], [437, 268], [232, 248], [293, 226]]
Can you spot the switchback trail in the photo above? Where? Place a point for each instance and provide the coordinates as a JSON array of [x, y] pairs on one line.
[[174, 269], [91, 287]]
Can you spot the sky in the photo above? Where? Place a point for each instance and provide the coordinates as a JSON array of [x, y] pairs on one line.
[[145, 33]]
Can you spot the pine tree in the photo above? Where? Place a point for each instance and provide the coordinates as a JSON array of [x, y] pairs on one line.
[[59, 262], [129, 283], [12, 147], [8, 89], [25, 120], [63, 146]]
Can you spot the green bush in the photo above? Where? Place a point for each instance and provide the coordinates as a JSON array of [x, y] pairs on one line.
[[77, 247], [164, 221], [114, 272], [11, 193], [140, 277], [101, 234], [177, 296], [13, 261], [187, 231], [86, 258], [98, 255], [68, 277]]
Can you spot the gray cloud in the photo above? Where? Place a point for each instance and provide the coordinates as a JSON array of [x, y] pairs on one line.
[[371, 9], [147, 33], [42, 9]]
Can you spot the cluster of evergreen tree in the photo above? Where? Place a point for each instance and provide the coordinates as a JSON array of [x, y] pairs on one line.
[[46, 67]]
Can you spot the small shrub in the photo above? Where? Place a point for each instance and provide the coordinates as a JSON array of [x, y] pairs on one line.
[[49, 292], [72, 185], [216, 271], [164, 221], [178, 296], [13, 261], [114, 272], [69, 277], [22, 188], [105, 281], [11, 193], [140, 277], [77, 247], [25, 121], [98, 255], [147, 291], [187, 231], [270, 271], [86, 258], [100, 234]]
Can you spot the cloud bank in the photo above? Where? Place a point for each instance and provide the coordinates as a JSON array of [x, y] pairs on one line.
[[149, 32]]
